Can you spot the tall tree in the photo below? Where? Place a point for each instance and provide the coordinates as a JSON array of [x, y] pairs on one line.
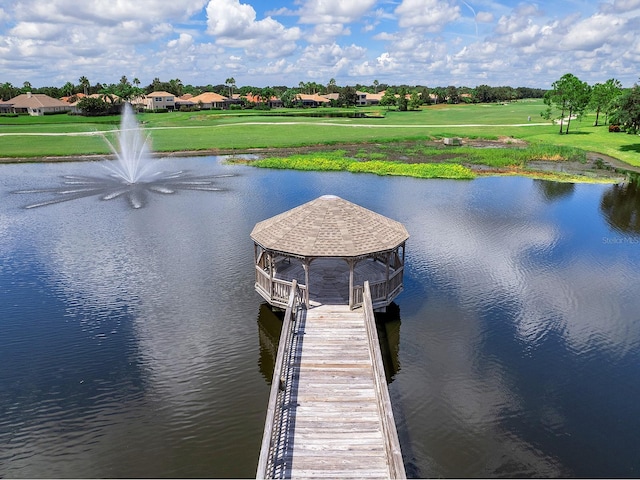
[[402, 101], [175, 87], [331, 86], [627, 110], [388, 99], [376, 84], [264, 95], [8, 91], [453, 95], [231, 83], [603, 95], [439, 93], [84, 84], [289, 98], [570, 96], [414, 101], [68, 89], [348, 97]]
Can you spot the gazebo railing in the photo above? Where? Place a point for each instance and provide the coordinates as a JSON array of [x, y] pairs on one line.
[[381, 291], [275, 290]]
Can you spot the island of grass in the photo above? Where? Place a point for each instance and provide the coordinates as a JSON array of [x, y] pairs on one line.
[[433, 159]]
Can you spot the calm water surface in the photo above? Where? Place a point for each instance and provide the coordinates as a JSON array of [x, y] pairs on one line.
[[132, 343]]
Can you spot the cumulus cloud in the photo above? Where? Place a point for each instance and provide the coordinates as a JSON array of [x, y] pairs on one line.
[[430, 15], [621, 6], [326, 32], [428, 41], [234, 24], [333, 11], [102, 11], [594, 32]]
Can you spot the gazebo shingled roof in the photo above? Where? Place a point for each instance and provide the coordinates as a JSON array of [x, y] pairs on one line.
[[329, 226]]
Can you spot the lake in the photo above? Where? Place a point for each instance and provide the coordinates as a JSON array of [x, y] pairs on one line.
[[133, 344]]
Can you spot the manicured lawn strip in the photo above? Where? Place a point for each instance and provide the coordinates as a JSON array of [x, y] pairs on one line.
[[245, 130], [55, 146], [243, 137]]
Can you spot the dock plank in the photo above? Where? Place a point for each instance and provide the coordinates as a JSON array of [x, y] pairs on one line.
[[337, 428], [333, 422]]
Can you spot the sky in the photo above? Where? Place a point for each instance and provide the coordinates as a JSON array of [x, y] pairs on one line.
[[284, 42]]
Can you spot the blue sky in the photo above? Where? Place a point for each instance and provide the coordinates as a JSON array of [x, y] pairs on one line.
[[265, 43]]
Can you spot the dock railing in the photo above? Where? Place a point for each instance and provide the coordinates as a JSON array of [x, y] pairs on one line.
[[394, 453], [381, 292], [275, 423]]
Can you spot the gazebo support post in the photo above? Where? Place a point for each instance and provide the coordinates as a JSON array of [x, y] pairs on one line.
[[387, 261], [351, 264], [306, 264]]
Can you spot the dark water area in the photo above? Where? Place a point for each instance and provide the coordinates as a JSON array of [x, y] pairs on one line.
[[133, 344]]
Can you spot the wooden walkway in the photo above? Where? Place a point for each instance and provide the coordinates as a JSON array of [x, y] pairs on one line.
[[331, 415]]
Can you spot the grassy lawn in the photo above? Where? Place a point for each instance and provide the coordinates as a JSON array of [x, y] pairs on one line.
[[24, 136]]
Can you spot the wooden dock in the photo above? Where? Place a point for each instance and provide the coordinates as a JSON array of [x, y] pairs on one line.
[[329, 413]]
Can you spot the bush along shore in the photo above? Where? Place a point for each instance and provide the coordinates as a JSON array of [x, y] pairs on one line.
[[434, 160]]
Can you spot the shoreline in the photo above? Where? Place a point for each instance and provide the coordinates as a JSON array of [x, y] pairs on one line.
[[598, 167]]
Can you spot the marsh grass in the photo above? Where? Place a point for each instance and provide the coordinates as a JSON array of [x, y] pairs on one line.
[[490, 156], [337, 161]]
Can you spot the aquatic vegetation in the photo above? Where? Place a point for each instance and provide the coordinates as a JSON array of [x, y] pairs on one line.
[[336, 161]]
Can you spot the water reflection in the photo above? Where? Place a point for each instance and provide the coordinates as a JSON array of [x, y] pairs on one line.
[[520, 345], [551, 190], [269, 327], [620, 206]]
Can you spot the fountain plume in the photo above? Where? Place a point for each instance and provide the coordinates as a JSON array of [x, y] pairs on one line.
[[133, 153], [131, 176]]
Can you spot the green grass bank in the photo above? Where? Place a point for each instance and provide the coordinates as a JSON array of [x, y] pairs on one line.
[[26, 137]]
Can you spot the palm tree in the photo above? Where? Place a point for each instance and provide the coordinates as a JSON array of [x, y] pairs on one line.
[[175, 86], [84, 83], [231, 83], [68, 89]]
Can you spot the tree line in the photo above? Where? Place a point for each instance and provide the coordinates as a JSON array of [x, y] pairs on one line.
[[127, 89], [570, 97]]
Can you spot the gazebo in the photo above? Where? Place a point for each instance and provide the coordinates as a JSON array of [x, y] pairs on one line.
[[330, 247]]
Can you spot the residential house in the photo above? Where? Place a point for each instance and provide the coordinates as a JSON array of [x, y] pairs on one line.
[[274, 102], [160, 100], [209, 100], [37, 104], [366, 98], [313, 100], [185, 101], [73, 100], [332, 97]]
